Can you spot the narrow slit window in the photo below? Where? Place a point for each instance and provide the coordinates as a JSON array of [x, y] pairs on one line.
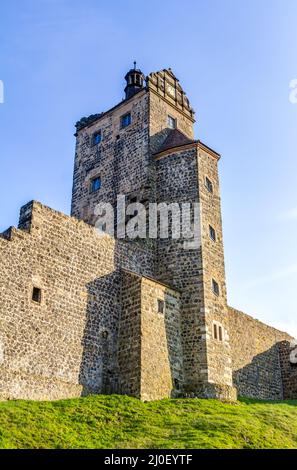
[[212, 233], [161, 306], [36, 295], [220, 333], [215, 287], [208, 185]]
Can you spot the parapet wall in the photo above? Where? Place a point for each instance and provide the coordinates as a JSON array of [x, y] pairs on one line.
[[255, 349], [66, 344], [60, 346]]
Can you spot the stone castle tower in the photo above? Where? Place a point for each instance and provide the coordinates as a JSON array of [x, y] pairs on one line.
[[144, 148], [82, 313]]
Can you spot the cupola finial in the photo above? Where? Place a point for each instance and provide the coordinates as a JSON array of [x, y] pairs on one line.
[[134, 79]]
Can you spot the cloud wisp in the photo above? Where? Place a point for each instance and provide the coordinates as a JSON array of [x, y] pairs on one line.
[[290, 214]]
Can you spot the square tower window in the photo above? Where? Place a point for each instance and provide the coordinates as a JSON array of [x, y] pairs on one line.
[[161, 306], [125, 120], [36, 295], [97, 137], [212, 233], [208, 185], [215, 287], [171, 122], [95, 184]]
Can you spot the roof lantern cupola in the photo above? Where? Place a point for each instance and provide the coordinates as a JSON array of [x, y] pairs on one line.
[[135, 81]]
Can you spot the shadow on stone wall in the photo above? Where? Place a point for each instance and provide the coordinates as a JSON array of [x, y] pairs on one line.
[[99, 368], [262, 378], [289, 370], [99, 359], [174, 355]]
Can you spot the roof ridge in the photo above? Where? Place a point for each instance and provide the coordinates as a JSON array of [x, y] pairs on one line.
[[175, 138]]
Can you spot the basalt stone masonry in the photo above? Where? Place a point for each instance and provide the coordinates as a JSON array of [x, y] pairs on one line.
[[86, 313]]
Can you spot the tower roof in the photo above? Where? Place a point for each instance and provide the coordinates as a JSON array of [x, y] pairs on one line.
[[175, 139], [135, 80], [133, 71]]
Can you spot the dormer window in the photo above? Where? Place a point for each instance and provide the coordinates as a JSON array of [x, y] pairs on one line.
[[126, 120], [97, 137], [171, 122]]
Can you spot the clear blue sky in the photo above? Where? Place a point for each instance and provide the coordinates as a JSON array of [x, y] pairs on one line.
[[63, 59]]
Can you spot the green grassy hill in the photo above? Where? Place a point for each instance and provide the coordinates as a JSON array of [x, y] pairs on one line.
[[123, 422]]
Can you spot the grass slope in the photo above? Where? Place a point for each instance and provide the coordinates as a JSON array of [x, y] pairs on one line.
[[123, 422]]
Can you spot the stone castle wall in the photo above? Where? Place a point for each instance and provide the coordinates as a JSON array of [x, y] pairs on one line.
[[150, 351], [289, 368], [70, 343], [161, 347], [129, 347], [219, 369], [255, 348], [97, 327], [66, 345]]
